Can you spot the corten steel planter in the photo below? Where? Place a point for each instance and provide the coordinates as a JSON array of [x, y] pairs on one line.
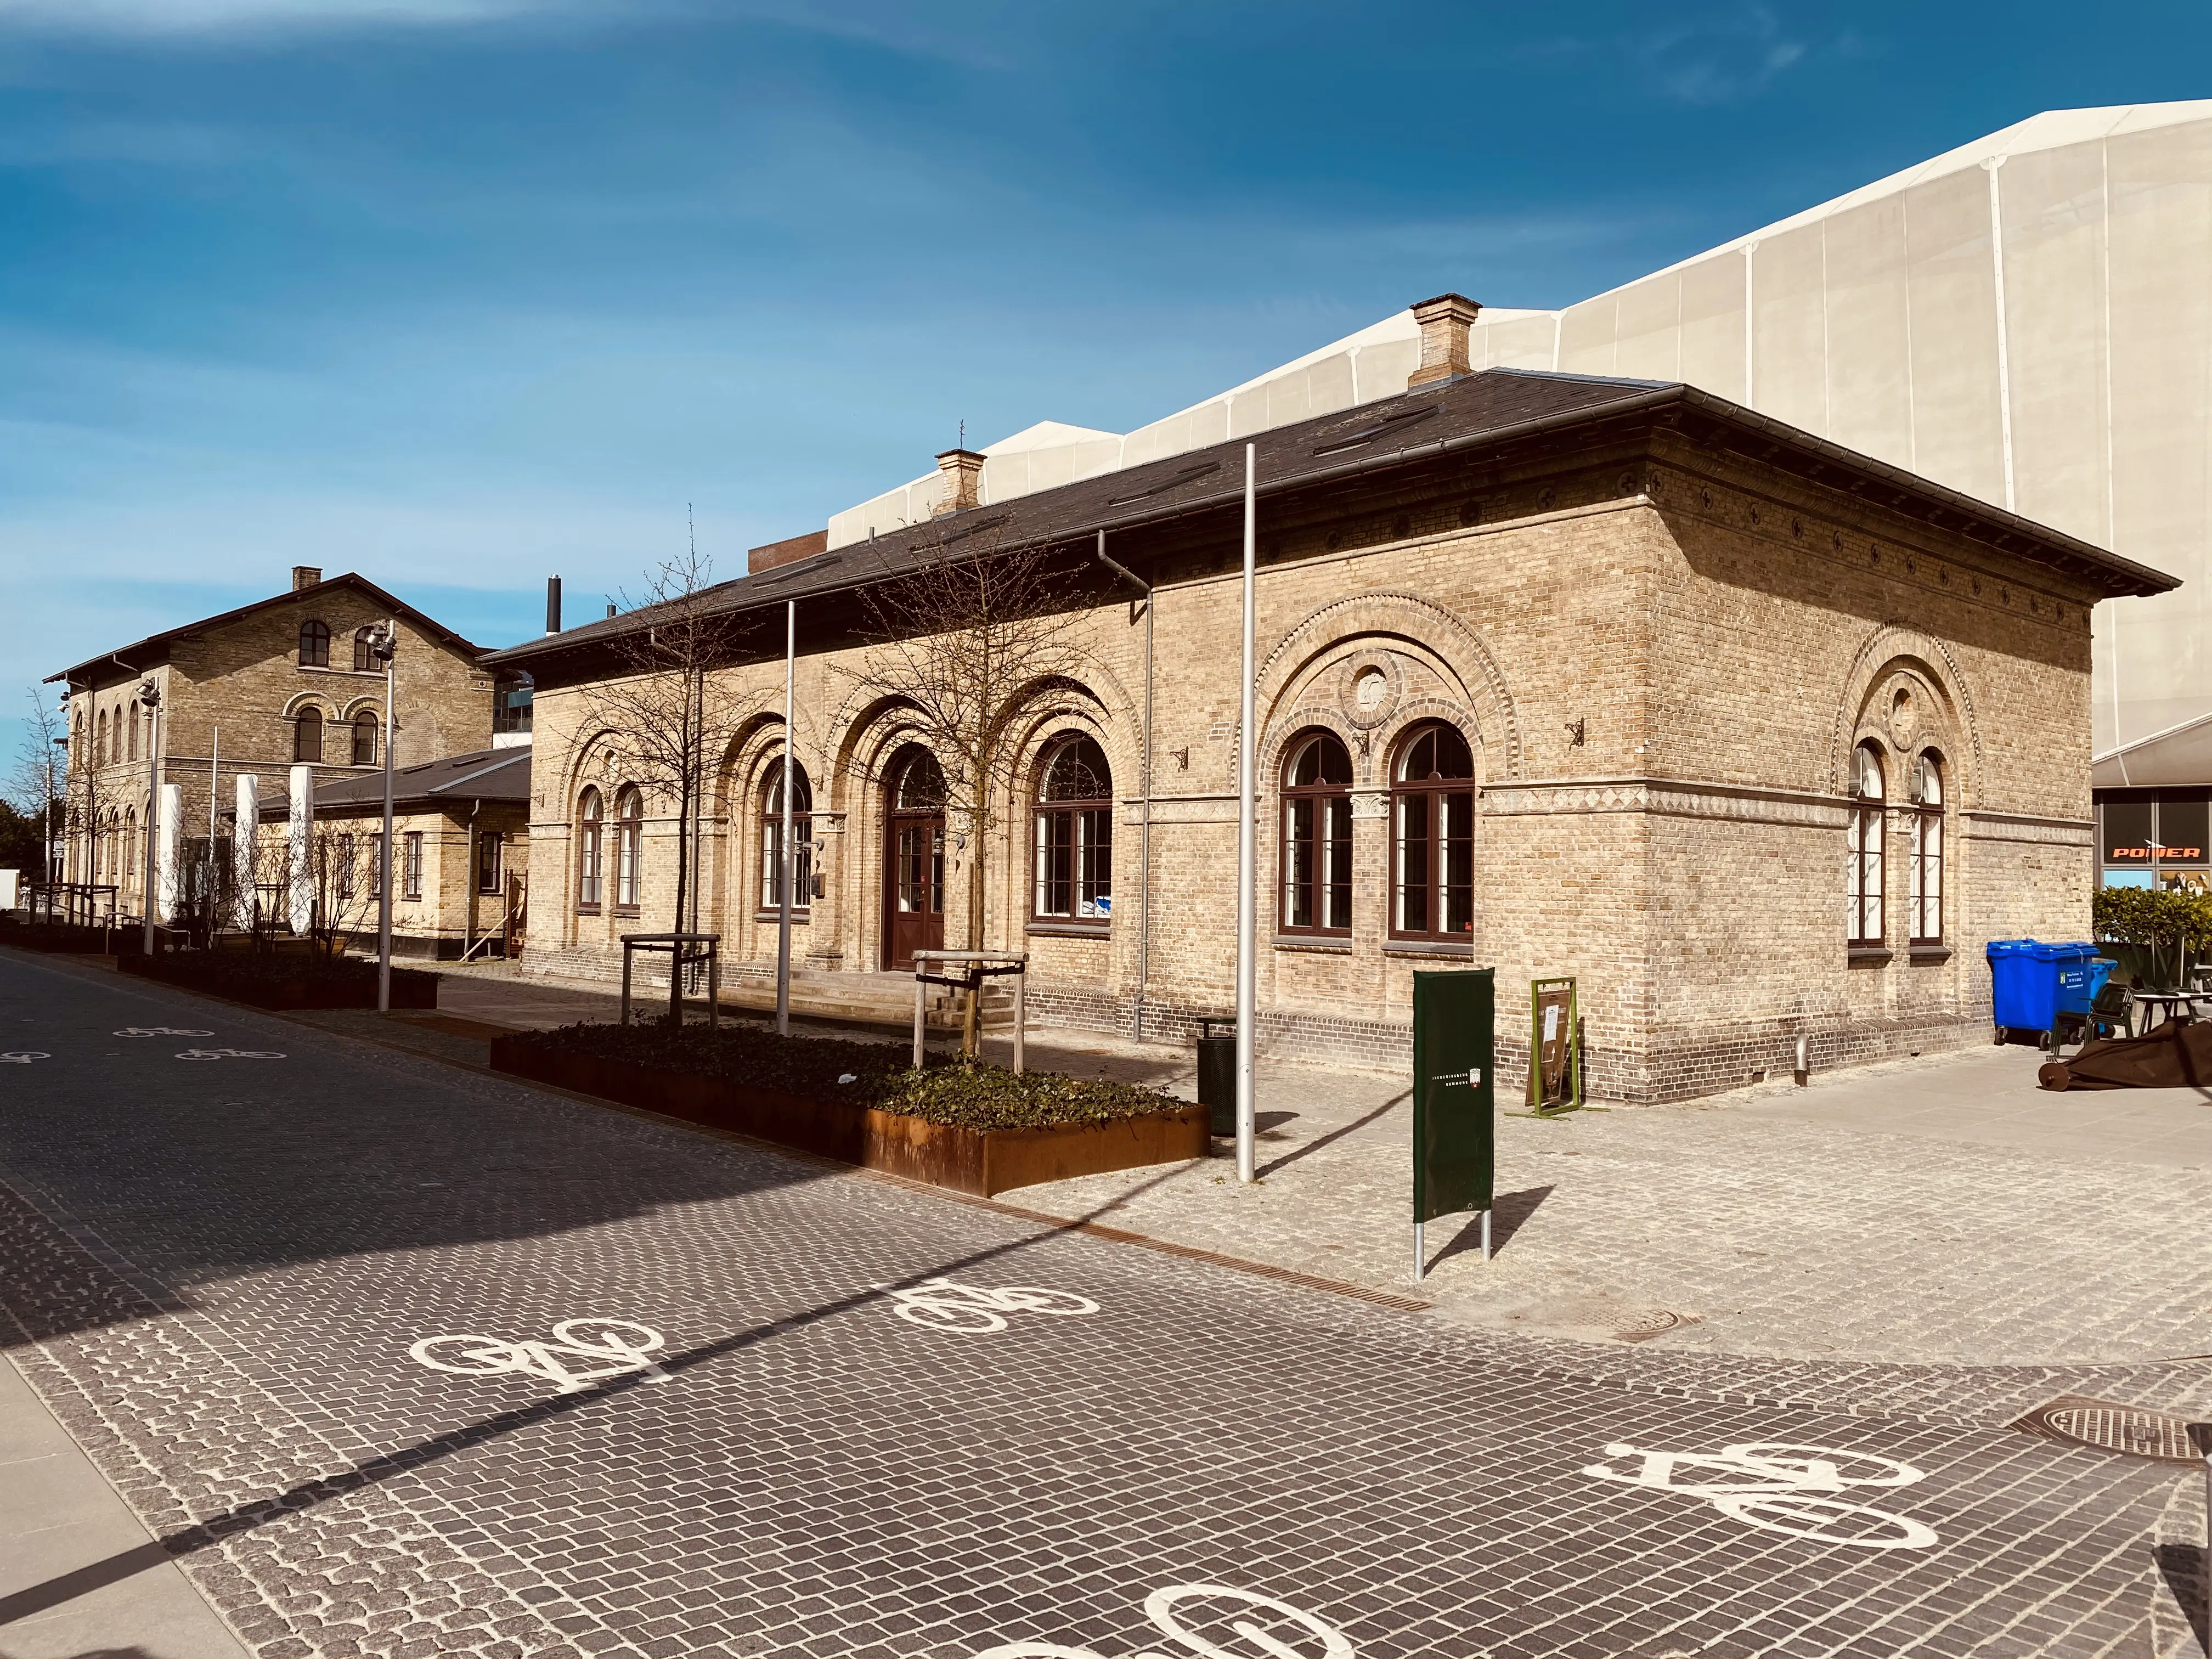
[[281, 994], [980, 1162]]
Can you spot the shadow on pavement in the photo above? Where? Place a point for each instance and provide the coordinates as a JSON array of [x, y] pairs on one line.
[[129, 1176], [1507, 1211], [188, 1540]]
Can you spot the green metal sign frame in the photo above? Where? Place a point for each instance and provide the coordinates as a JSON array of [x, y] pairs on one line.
[[1455, 1100]]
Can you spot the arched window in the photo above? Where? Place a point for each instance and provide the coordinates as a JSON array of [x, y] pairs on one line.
[[1432, 836], [630, 831], [1927, 914], [802, 838], [307, 735], [364, 659], [134, 731], [100, 755], [314, 645], [1862, 841], [364, 737], [1317, 836], [123, 876], [589, 829], [1074, 833]]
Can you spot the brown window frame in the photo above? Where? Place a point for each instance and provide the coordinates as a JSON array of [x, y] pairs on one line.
[[1925, 852], [364, 656], [410, 866], [1433, 794], [1064, 831], [771, 839], [1323, 800], [591, 851], [496, 867], [364, 725], [1865, 854], [629, 849], [308, 719], [314, 643]]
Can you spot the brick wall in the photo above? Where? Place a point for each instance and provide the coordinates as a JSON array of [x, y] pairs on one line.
[[1662, 660]]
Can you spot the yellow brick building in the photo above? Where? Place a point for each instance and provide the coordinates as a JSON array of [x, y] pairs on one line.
[[1758, 737], [255, 693]]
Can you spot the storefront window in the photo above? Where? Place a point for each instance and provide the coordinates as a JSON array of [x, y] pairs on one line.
[[2148, 840]]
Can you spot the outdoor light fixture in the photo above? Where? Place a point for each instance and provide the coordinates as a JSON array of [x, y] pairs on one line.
[[150, 694]]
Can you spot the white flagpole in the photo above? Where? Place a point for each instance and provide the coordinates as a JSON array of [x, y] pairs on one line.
[[785, 862], [390, 647], [1246, 908]]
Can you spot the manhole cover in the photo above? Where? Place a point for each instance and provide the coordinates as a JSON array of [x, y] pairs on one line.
[[1647, 1323], [2132, 1430]]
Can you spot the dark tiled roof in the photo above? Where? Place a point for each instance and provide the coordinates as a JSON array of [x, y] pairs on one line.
[[480, 774], [1491, 406], [141, 654]]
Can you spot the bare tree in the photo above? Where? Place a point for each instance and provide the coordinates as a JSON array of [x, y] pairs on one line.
[[975, 645], [668, 715], [38, 785]]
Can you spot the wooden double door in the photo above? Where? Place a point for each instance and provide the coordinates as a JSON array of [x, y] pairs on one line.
[[913, 859]]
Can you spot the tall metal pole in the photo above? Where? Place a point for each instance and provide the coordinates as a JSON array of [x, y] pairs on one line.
[[214, 789], [150, 695], [1247, 909], [785, 862], [387, 648]]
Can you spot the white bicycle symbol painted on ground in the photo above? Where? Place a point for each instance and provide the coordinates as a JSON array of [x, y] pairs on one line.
[[161, 1030], [942, 1304], [228, 1054], [1764, 1485], [1161, 1607], [23, 1056], [609, 1347]]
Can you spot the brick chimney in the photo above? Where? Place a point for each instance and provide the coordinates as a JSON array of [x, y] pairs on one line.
[[306, 575], [1445, 322], [963, 471], [783, 552]]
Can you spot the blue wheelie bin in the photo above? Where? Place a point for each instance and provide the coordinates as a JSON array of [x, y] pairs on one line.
[[2032, 983]]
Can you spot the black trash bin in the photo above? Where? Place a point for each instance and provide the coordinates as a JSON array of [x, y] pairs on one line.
[[1216, 1074]]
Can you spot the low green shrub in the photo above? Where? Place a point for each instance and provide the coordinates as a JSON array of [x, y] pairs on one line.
[[969, 1096]]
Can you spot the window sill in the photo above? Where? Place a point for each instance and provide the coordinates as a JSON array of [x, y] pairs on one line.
[[587, 909], [1071, 929], [1430, 947], [1931, 953], [1323, 944], [798, 917], [630, 911], [350, 673], [1868, 956]]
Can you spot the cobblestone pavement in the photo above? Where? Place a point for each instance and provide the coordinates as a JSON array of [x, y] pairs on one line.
[[1942, 1211], [217, 1270]]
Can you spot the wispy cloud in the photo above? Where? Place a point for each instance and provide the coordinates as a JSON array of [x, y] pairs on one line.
[[188, 17], [1719, 57]]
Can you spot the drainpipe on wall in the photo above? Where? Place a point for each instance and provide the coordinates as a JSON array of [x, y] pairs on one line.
[[1145, 828]]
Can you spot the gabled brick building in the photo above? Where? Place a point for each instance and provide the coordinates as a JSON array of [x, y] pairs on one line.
[[254, 692], [1758, 737]]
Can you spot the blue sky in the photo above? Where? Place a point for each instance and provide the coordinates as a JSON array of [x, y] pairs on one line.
[[461, 292]]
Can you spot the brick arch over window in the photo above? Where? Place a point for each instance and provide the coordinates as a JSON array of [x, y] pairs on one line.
[[862, 724], [1345, 625], [1950, 725]]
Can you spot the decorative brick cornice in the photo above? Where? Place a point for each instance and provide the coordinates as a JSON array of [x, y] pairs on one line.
[[1669, 797], [2044, 832]]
